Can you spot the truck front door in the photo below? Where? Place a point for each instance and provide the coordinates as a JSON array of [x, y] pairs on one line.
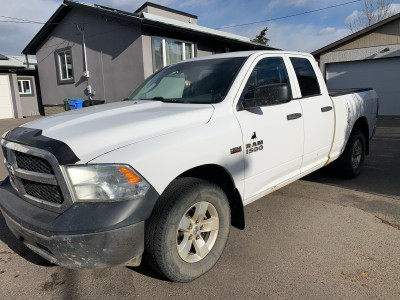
[[273, 135]]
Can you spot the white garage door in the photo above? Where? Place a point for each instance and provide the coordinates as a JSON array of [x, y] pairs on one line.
[[6, 110], [383, 75]]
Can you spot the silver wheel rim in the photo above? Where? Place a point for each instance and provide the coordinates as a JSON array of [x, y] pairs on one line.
[[197, 232], [356, 154]]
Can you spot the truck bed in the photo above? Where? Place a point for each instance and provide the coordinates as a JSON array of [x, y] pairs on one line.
[[340, 92]]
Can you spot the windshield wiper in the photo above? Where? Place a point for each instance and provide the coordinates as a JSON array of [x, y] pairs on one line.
[[162, 99]]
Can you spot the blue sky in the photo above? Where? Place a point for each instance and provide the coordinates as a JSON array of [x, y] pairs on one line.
[[301, 33]]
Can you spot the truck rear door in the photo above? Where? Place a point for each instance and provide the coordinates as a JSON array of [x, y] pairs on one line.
[[318, 112], [272, 135]]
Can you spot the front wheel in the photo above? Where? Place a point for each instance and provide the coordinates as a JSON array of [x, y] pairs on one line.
[[188, 229], [352, 159]]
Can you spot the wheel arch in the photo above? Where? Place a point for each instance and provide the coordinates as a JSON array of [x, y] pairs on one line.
[[221, 177], [362, 124]]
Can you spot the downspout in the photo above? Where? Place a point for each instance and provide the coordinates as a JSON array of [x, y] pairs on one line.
[[27, 61], [89, 92]]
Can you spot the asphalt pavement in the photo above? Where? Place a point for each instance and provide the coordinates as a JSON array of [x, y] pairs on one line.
[[320, 237]]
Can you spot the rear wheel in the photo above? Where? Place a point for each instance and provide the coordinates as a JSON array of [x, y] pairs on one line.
[[352, 159], [188, 229]]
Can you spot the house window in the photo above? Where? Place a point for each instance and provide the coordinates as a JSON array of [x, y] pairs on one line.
[[64, 64], [24, 87], [167, 52]]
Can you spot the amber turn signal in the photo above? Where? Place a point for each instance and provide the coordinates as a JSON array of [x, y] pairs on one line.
[[130, 176]]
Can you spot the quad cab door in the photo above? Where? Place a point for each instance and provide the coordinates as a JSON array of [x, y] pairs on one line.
[[272, 129], [317, 110]]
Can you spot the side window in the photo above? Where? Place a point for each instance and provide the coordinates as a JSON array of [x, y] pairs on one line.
[[25, 86], [268, 81], [308, 82], [64, 65], [167, 52]]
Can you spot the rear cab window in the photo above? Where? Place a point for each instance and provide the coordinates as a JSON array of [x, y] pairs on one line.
[[308, 82]]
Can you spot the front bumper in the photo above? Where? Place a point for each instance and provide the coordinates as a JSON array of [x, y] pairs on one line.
[[93, 250], [86, 235]]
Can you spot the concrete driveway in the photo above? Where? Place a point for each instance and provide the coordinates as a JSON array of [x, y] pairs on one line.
[[320, 237]]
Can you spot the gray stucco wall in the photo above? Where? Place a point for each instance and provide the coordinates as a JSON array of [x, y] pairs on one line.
[[114, 52], [204, 49], [147, 54]]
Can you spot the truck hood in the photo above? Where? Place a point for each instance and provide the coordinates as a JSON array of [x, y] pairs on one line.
[[93, 131]]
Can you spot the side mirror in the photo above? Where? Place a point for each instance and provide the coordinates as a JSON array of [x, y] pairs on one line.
[[269, 94]]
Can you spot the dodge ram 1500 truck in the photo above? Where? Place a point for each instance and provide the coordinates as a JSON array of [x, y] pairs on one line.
[[168, 171]]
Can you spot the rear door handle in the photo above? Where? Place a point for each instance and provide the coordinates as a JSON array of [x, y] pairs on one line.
[[326, 108], [293, 116]]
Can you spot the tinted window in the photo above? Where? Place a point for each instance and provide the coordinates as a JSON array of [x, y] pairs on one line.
[[306, 76], [269, 72]]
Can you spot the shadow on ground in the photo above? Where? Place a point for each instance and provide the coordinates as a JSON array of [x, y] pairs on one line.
[[381, 171], [18, 247]]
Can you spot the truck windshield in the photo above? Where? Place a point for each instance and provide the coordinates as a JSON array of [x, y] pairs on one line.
[[202, 81]]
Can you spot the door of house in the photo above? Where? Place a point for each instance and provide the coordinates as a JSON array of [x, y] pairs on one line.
[[6, 107]]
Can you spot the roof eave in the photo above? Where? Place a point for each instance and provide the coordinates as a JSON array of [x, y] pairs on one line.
[[318, 52], [155, 24], [62, 11], [12, 68], [46, 28], [67, 5]]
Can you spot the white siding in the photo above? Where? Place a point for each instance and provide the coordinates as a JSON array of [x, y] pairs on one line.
[[6, 108]]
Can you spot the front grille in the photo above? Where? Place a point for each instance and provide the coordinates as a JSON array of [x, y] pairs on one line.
[[33, 163], [36, 176], [47, 192]]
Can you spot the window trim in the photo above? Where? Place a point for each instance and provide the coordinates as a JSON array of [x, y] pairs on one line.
[[32, 93], [164, 54], [58, 66], [305, 97]]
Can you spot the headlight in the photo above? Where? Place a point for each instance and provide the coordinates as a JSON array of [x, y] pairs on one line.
[[105, 183]]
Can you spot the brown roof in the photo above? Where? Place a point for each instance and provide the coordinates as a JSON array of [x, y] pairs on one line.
[[355, 35]]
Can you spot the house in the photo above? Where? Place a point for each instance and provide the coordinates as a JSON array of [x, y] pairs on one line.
[[89, 51], [367, 58], [19, 87]]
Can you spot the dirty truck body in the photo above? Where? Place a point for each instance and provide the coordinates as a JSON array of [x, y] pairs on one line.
[[167, 172]]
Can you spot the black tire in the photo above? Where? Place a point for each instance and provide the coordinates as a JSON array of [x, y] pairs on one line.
[[162, 237], [352, 159]]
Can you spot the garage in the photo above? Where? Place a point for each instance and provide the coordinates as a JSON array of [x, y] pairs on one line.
[[382, 75], [366, 58], [6, 107]]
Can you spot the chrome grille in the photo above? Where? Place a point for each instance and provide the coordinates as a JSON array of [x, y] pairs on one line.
[[33, 163], [47, 192], [4, 152]]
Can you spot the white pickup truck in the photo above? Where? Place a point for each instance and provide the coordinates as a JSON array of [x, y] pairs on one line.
[[167, 172]]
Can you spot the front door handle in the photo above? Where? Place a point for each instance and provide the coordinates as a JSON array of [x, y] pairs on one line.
[[326, 108], [293, 116]]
